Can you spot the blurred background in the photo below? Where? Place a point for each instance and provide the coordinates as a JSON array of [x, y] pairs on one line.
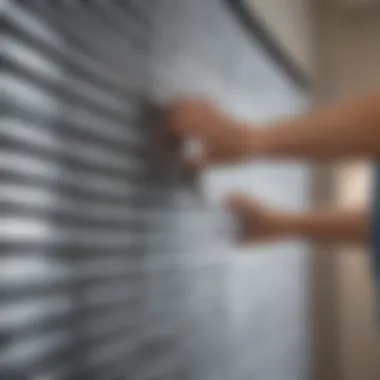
[[114, 267]]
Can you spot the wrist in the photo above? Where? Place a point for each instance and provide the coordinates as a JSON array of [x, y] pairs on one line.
[[261, 142], [289, 224]]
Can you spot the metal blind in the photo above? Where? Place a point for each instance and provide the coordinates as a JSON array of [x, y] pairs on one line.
[[110, 268]]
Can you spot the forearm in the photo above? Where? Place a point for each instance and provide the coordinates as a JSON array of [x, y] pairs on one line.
[[348, 129], [328, 225]]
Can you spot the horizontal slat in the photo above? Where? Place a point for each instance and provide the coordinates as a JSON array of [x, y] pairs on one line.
[[134, 225], [43, 289], [72, 154], [101, 51], [85, 117], [30, 137], [34, 163], [129, 21], [18, 52], [56, 319], [48, 200], [54, 357], [61, 124], [32, 23], [77, 356], [75, 62], [77, 216], [93, 188], [70, 90], [26, 352], [25, 228], [29, 270], [126, 32]]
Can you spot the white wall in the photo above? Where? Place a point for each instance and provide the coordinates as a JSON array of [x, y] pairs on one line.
[[351, 62], [290, 23], [348, 62]]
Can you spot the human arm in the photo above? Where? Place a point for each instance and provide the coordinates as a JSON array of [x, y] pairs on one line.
[[263, 223], [350, 128]]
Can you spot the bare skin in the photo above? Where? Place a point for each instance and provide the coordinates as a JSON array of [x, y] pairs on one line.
[[347, 129], [265, 224]]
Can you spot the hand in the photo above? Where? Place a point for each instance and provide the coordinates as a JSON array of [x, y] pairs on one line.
[[222, 140], [260, 223]]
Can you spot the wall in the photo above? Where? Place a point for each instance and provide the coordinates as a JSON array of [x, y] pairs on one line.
[[345, 45], [290, 23], [350, 63]]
